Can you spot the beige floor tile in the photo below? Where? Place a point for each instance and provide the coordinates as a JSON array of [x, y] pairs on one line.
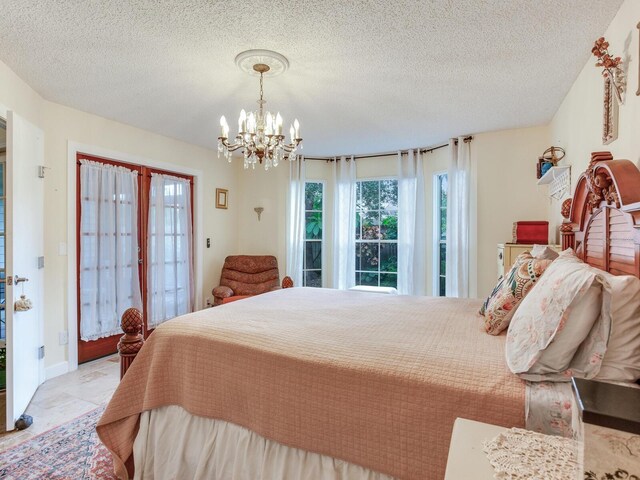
[[66, 397]]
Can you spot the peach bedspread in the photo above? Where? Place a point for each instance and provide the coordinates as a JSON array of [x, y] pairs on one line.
[[376, 380]]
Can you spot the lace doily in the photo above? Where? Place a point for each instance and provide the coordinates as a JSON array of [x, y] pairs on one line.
[[523, 454]]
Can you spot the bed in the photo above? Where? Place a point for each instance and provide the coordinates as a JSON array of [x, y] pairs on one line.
[[317, 383]]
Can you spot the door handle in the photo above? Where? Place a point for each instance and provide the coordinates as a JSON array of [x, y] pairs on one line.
[[17, 279]]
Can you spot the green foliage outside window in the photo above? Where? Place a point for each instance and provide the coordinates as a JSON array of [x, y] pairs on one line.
[[313, 205], [377, 233]]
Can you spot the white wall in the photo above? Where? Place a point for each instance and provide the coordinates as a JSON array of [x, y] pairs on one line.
[[507, 191], [577, 125], [62, 125]]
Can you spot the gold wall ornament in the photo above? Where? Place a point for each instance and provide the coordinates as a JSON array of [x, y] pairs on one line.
[[610, 113]]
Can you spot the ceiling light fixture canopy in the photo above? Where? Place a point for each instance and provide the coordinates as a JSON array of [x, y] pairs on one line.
[[260, 133]]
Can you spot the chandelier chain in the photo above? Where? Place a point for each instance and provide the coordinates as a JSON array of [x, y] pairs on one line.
[[261, 102]]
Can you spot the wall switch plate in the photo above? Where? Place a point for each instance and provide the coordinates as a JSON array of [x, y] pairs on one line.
[[208, 302], [63, 338], [40, 262]]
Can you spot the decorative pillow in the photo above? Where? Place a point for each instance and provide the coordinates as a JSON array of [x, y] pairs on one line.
[[515, 287], [544, 252], [519, 259], [562, 328], [621, 361]]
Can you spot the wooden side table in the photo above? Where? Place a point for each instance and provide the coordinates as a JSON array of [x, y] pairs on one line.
[[466, 458]]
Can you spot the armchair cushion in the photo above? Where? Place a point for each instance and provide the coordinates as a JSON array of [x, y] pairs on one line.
[[246, 275]]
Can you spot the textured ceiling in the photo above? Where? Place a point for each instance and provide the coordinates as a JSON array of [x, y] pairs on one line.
[[364, 76]]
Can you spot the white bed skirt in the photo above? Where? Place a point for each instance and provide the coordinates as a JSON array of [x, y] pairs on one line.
[[172, 443]]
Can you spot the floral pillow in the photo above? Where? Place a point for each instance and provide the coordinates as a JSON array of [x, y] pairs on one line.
[[515, 286], [561, 329], [519, 259]]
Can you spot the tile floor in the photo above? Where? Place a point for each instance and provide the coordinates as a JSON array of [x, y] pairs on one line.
[[66, 397]]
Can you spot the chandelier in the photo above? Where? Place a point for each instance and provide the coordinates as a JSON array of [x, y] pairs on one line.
[[260, 133]]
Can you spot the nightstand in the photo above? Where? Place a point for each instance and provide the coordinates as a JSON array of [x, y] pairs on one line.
[[466, 458], [507, 253]]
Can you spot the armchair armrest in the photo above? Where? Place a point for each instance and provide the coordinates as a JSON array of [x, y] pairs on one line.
[[219, 293]]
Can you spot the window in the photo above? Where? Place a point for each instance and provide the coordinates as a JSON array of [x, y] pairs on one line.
[[440, 233], [377, 233], [313, 204]]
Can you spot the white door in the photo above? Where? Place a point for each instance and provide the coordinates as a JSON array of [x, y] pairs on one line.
[[24, 250]]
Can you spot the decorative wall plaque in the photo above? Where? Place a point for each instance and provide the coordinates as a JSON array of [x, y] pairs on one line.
[[610, 113]]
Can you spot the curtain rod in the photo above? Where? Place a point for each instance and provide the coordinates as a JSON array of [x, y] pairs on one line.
[[388, 154]]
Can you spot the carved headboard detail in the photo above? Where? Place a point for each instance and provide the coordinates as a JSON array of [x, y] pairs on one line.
[[602, 220]]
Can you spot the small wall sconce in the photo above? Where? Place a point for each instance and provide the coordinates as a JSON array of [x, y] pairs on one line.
[[259, 211]]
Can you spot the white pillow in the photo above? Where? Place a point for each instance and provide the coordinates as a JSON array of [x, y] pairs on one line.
[[562, 326], [621, 361], [544, 252]]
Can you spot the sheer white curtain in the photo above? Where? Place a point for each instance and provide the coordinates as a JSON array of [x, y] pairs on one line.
[[411, 224], [458, 218], [170, 290], [344, 218], [296, 221], [109, 280]]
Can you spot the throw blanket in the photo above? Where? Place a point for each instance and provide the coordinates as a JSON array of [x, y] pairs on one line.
[[376, 380]]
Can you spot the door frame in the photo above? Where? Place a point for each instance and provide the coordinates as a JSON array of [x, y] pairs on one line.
[[73, 148]]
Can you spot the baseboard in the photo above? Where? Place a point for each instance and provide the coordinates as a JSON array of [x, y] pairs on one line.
[[56, 370]]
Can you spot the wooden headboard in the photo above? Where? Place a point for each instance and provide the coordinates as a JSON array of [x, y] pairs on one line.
[[602, 220]]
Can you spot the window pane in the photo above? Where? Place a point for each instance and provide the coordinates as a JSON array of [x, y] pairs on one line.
[[313, 222], [313, 255], [443, 224], [443, 287], [371, 226], [388, 257], [388, 280], [370, 279], [313, 196], [369, 256], [443, 190], [358, 220], [370, 195], [389, 194], [443, 259], [312, 263], [389, 226], [313, 279]]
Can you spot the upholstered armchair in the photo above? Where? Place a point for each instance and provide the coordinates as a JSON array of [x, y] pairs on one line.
[[247, 275]]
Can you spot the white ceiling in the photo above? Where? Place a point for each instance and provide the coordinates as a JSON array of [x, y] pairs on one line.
[[364, 76]]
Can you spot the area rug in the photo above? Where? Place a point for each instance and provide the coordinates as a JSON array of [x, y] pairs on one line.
[[70, 451]]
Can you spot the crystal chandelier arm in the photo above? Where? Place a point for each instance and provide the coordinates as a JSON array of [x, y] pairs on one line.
[[232, 147]]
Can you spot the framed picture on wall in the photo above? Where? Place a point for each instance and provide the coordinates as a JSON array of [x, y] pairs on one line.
[[222, 198]]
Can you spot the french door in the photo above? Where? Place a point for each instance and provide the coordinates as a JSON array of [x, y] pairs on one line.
[[134, 248]]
